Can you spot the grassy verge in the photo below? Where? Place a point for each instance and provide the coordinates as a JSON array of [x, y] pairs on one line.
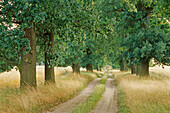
[[92, 100], [103, 80], [15, 100], [143, 95], [122, 102]]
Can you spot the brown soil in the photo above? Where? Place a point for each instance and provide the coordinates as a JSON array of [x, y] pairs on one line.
[[73, 103], [108, 103]]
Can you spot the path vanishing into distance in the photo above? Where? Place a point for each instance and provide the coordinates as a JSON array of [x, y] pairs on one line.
[[107, 104], [73, 103]]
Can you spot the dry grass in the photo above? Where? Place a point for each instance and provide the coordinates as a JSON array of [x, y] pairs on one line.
[[15, 100], [12, 79], [145, 95]]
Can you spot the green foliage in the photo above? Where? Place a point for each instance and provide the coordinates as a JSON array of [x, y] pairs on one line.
[[96, 32], [81, 33], [15, 17], [10, 47], [142, 32]]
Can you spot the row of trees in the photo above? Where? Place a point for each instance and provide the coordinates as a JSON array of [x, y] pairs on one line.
[[141, 33], [82, 33]]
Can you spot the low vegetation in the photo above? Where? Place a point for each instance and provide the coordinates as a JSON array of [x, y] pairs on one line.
[[14, 100], [92, 100], [141, 95]]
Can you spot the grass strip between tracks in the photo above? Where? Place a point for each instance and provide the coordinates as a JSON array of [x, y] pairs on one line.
[[92, 100]]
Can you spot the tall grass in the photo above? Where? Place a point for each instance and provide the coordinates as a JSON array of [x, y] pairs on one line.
[[144, 95], [11, 79], [15, 100]]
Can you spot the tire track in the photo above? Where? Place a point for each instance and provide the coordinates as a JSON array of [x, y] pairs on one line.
[[108, 103], [73, 103]]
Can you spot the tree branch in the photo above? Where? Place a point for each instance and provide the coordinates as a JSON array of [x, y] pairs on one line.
[[3, 53], [14, 64]]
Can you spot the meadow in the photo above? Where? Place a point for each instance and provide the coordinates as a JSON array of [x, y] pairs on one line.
[[144, 95], [136, 94], [16, 100]]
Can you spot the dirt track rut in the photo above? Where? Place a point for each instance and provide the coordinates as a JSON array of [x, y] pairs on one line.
[[108, 103], [73, 103]]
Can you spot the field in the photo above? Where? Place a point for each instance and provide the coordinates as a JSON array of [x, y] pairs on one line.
[[14, 100], [11, 79], [136, 94], [144, 95]]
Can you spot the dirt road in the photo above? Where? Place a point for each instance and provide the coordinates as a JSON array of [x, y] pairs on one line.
[[108, 103], [73, 103]]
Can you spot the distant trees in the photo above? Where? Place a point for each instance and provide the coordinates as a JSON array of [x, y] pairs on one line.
[[145, 31], [82, 33], [46, 35]]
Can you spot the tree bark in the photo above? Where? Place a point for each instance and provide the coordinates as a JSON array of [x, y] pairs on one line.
[[121, 65], [49, 68], [28, 61], [133, 68], [98, 68], [89, 67], [49, 72], [125, 66], [144, 67], [137, 69], [76, 68]]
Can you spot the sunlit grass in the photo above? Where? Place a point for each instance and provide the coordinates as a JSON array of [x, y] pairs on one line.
[[12, 79], [15, 100], [145, 95]]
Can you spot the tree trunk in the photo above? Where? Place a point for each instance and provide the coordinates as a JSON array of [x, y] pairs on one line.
[[28, 61], [133, 68], [49, 73], [144, 68], [121, 65], [76, 68], [98, 68], [49, 68], [137, 69], [89, 67], [125, 66]]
